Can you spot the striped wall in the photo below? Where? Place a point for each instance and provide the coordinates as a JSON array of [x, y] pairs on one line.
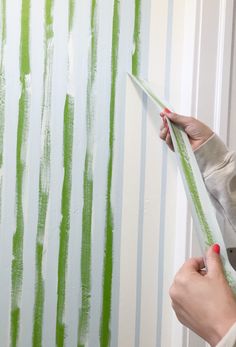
[[63, 79], [91, 203]]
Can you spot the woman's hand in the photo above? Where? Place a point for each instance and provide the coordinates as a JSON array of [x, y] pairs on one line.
[[197, 131], [202, 301]]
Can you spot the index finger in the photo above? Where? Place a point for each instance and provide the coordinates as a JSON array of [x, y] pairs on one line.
[[193, 265]]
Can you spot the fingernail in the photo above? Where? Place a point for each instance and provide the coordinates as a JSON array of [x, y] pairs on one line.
[[168, 131], [166, 110], [216, 248]]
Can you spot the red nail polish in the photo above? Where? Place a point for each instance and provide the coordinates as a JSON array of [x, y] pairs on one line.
[[166, 110], [216, 248]]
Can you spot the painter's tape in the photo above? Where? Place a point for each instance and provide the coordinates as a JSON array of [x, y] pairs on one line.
[[203, 213]]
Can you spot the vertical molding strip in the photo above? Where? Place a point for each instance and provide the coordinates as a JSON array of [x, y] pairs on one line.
[[164, 181], [140, 222], [223, 73]]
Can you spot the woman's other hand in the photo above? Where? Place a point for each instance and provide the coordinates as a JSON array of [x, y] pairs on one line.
[[203, 301], [197, 131]]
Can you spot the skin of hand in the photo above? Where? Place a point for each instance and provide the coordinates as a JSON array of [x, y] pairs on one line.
[[197, 131], [203, 301]]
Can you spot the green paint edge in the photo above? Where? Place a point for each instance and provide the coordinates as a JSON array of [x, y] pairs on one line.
[[136, 39], [65, 222], [71, 14], [66, 201], [45, 174], [192, 186], [105, 333], [22, 134], [85, 264]]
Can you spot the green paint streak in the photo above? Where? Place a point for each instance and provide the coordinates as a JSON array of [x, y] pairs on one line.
[[136, 39], [22, 132], [192, 185], [86, 254], [105, 333], [71, 14], [84, 312], [65, 222], [44, 179]]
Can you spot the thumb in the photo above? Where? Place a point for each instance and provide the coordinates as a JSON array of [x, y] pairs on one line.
[[177, 119], [213, 261]]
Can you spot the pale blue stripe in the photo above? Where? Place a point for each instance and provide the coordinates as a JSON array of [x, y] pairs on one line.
[[162, 225], [140, 222]]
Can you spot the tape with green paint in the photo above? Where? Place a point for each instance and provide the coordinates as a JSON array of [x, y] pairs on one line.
[[203, 213]]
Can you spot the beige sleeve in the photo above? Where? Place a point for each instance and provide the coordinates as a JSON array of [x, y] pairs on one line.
[[218, 167], [229, 340]]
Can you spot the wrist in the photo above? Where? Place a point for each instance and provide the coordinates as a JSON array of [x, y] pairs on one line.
[[220, 331]]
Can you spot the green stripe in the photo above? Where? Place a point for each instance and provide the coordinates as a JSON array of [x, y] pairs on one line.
[[22, 134], [71, 14], [136, 39], [45, 174], [86, 254], [105, 333], [192, 185], [65, 222], [84, 312]]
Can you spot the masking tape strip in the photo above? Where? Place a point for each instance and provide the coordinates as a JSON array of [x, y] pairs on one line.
[[203, 213]]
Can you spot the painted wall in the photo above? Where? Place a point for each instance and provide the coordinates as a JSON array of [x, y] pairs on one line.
[[63, 79], [93, 217]]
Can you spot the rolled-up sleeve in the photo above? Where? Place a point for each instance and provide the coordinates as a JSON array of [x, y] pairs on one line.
[[218, 166], [229, 340]]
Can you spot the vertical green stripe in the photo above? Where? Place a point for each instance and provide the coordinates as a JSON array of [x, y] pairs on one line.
[[65, 202], [105, 333], [45, 174], [22, 134], [65, 222], [71, 14], [2, 90], [136, 39], [192, 185], [84, 311]]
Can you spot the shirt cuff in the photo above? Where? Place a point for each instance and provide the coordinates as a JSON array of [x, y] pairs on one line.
[[211, 154], [229, 340]]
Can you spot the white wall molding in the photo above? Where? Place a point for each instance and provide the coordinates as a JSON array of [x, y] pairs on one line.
[[223, 73]]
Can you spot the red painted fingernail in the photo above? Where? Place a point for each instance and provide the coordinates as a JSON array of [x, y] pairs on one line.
[[166, 110], [216, 248]]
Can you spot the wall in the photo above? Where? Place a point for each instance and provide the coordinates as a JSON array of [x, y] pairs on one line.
[[93, 217], [195, 75]]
